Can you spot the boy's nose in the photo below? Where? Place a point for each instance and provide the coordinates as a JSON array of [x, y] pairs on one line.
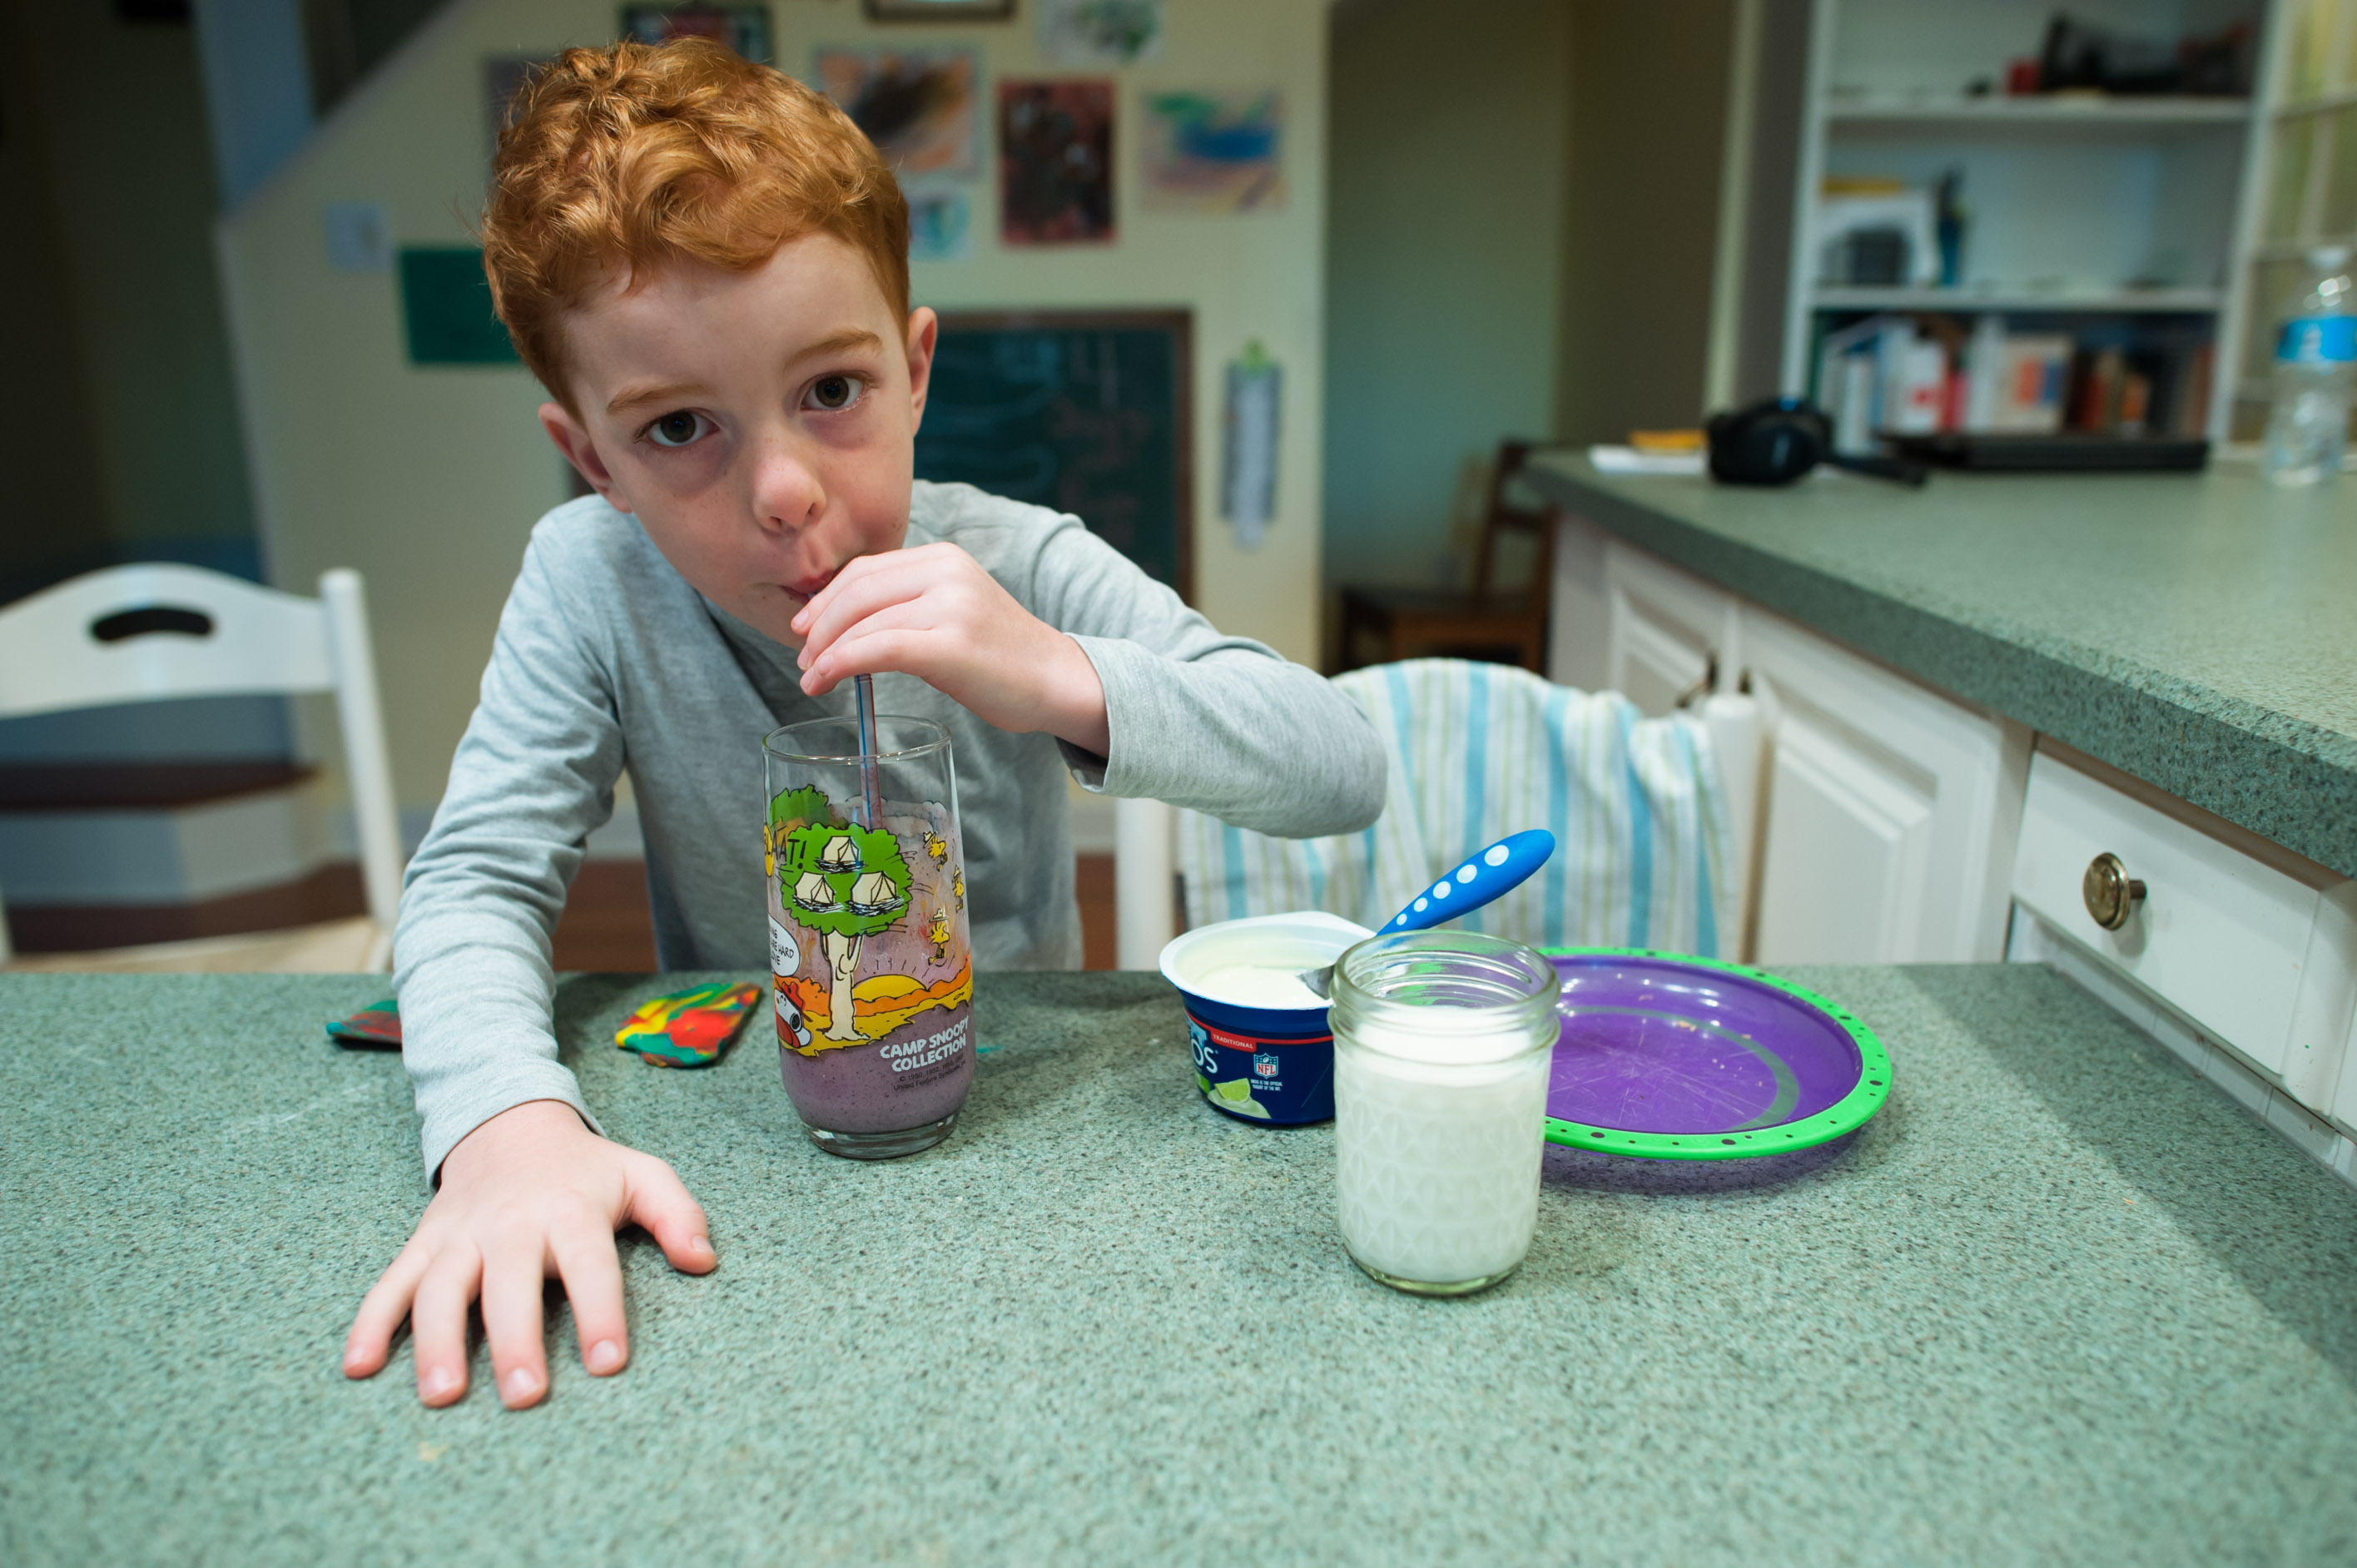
[[787, 493]]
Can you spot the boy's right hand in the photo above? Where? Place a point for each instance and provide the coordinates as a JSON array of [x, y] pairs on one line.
[[530, 1194]]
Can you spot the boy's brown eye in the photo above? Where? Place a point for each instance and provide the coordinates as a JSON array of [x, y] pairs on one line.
[[834, 392], [676, 428]]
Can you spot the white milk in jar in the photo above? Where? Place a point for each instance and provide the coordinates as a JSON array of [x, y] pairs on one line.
[[1442, 1046]]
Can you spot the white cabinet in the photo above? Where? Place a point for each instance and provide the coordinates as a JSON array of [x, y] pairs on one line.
[[2253, 944], [1579, 611], [1670, 639], [1622, 620], [1887, 811]]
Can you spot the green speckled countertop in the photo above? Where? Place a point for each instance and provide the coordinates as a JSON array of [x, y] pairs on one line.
[[2061, 1302], [2198, 632]]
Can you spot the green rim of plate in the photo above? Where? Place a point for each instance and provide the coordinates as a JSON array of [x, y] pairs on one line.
[[1843, 1117]]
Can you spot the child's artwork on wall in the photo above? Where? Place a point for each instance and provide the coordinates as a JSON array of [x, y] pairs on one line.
[[920, 107], [941, 224], [1214, 152], [1100, 32], [359, 236], [1248, 461], [1055, 156], [745, 28], [446, 307]]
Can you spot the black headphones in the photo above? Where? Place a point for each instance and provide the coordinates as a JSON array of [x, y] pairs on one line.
[[1776, 441]]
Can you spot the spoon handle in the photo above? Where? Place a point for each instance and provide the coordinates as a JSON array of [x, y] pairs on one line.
[[1491, 874]]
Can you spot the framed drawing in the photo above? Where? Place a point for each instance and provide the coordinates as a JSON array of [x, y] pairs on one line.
[[940, 10]]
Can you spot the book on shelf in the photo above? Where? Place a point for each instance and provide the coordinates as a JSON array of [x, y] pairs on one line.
[[1898, 374]]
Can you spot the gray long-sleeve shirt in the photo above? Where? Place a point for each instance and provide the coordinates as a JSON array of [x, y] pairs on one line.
[[607, 658]]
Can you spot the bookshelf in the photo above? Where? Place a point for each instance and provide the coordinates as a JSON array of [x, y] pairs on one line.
[[2123, 222]]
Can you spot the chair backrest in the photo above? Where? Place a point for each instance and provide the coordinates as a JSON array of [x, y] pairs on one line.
[[130, 634], [1502, 515], [1644, 817]]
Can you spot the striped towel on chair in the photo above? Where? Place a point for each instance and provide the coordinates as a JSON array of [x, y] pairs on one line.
[[1478, 751]]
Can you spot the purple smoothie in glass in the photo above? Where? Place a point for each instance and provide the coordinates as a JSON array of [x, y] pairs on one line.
[[872, 976]]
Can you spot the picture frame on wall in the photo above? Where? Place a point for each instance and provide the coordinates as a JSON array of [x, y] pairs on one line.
[[745, 28], [940, 10]]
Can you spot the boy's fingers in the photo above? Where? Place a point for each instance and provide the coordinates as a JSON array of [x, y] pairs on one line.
[[856, 652], [512, 1322], [847, 601], [659, 1202], [592, 1271], [437, 1322], [861, 570], [382, 1310]]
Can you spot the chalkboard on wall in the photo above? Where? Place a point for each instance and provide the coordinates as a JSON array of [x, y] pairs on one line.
[[1086, 412]]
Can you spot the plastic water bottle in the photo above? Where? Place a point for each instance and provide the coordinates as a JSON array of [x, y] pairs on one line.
[[2316, 361]]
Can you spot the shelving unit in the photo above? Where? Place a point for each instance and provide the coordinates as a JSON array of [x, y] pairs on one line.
[[2099, 114], [2020, 301], [2124, 214]]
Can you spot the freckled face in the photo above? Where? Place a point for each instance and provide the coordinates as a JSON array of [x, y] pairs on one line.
[[761, 425]]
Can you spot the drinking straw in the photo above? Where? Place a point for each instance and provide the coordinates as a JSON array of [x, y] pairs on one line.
[[864, 687]]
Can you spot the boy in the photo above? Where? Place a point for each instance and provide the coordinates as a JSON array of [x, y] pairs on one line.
[[705, 265]]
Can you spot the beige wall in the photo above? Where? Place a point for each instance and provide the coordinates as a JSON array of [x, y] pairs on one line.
[[428, 480], [1648, 94], [1446, 189], [116, 423]]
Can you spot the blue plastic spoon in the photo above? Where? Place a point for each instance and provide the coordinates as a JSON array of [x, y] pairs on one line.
[[1485, 878]]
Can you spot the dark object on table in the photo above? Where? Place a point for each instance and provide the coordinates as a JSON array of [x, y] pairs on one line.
[[1483, 624], [1776, 441], [2072, 452]]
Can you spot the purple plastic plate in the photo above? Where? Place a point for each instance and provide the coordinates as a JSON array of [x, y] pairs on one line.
[[1688, 1059]]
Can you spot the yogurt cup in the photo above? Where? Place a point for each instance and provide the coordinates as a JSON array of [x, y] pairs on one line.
[[1261, 1055]]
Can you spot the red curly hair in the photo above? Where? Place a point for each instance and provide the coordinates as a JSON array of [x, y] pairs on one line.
[[638, 155]]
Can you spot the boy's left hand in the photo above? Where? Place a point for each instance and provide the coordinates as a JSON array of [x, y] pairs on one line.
[[932, 612]]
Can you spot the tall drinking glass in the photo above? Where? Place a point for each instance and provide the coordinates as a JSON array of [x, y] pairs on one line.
[[1441, 1045], [868, 955]]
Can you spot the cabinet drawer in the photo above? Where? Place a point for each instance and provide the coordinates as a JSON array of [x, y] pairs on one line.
[[2227, 932]]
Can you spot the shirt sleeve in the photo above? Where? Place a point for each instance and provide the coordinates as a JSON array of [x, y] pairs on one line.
[[1223, 726], [533, 776]]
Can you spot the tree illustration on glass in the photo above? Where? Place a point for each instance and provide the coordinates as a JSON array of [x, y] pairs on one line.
[[844, 881]]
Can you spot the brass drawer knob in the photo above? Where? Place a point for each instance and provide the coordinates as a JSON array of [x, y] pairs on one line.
[[2112, 895]]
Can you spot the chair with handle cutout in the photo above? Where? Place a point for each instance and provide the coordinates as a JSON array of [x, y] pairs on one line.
[[144, 633]]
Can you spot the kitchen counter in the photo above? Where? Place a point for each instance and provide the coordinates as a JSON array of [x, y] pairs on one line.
[[2061, 1302], [2198, 632]]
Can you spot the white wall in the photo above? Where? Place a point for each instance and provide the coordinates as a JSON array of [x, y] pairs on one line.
[[428, 480], [1449, 137]]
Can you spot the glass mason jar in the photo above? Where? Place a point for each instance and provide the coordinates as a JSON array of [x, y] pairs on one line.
[[872, 971], [1442, 1041]]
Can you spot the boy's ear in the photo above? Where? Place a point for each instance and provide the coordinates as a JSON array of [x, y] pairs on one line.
[[573, 442], [924, 335]]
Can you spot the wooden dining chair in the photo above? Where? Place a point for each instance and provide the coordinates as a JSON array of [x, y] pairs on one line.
[[1502, 625]]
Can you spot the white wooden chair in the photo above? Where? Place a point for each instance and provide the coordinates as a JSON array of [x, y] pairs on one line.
[[131, 634]]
